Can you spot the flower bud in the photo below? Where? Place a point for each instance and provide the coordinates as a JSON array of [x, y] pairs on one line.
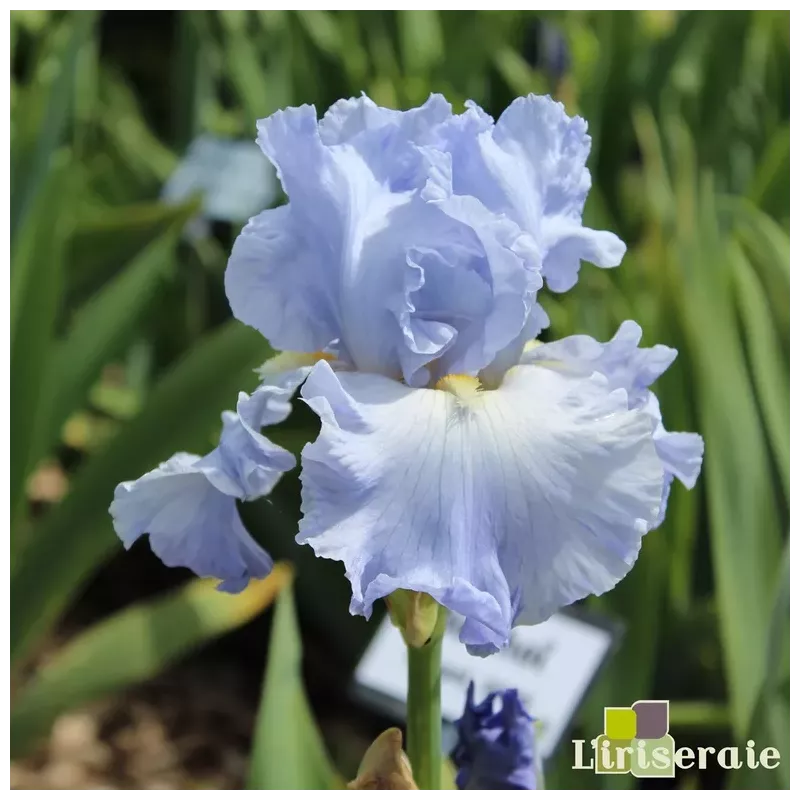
[[415, 614], [385, 765]]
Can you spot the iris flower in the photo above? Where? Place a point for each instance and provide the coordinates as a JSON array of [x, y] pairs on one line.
[[456, 457]]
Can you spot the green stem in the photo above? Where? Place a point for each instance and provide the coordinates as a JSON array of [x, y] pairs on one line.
[[424, 726]]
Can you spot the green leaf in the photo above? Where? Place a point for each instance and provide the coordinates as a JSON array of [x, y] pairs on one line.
[[193, 85], [323, 29], [273, 523], [421, 41], [770, 370], [135, 149], [31, 168], [767, 246], [666, 54], [36, 279], [105, 240], [629, 676], [104, 326], [75, 537], [132, 646], [745, 528], [288, 751], [769, 188], [99, 332], [770, 724], [261, 89]]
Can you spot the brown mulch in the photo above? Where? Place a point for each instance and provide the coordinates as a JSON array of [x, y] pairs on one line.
[[189, 729]]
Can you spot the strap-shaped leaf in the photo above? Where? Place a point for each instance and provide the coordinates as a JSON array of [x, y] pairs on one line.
[[288, 752], [103, 327], [36, 281], [32, 161], [769, 367], [132, 646], [770, 723]]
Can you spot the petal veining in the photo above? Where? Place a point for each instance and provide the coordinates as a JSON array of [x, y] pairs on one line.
[[503, 507]]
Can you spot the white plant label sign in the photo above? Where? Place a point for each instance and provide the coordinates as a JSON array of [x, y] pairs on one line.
[[551, 665]]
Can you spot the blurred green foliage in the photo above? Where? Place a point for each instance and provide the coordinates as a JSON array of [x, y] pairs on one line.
[[117, 321]]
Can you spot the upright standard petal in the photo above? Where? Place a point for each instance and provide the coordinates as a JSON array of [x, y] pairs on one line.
[[319, 287], [275, 283], [495, 747], [507, 264], [374, 257], [348, 118], [187, 505], [503, 505], [531, 165], [391, 142]]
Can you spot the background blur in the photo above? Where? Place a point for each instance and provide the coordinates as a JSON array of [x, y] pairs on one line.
[[123, 350]]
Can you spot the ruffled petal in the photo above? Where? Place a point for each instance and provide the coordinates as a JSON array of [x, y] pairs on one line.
[[191, 521], [351, 232], [253, 460], [349, 117], [566, 243], [187, 505], [390, 277], [532, 166], [346, 119], [633, 369], [681, 455], [275, 283], [394, 144], [377, 257], [505, 277], [503, 505], [336, 205], [626, 365]]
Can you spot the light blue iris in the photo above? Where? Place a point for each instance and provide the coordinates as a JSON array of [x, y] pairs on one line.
[[455, 458], [188, 504], [505, 482]]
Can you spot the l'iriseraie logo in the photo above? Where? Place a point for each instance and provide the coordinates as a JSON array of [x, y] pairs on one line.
[[637, 740]]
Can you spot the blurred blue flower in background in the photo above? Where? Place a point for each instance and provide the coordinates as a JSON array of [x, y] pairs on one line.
[[495, 748], [188, 503], [232, 176]]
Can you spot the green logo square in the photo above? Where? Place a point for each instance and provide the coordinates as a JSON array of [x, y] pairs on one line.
[[620, 723], [612, 756]]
